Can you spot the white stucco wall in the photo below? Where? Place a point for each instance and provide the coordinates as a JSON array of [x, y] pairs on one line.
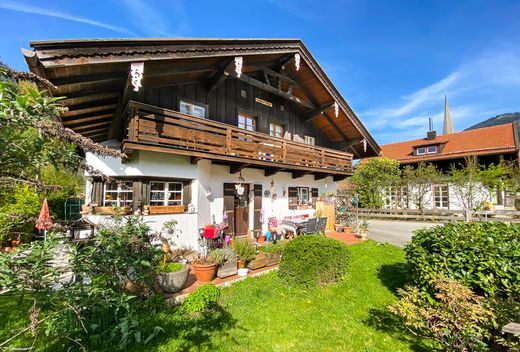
[[207, 188]]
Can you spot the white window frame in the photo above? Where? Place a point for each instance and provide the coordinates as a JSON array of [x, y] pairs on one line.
[[166, 201], [432, 152], [299, 199], [191, 108], [244, 124], [118, 202], [309, 140], [417, 151], [446, 194], [273, 126]]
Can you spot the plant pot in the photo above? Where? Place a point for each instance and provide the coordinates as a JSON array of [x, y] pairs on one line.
[[205, 272], [272, 258], [240, 264], [172, 282], [259, 262], [346, 229], [261, 239], [227, 269], [243, 272], [16, 243]]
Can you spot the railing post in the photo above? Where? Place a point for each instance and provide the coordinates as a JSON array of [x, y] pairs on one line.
[[284, 151], [322, 158], [228, 141]]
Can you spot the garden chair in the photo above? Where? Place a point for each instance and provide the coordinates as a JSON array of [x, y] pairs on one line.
[[321, 225], [310, 227]]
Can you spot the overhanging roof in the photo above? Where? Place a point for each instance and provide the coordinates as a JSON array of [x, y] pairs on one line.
[[92, 74]]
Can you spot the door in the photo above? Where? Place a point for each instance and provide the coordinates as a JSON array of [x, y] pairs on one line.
[[241, 209]]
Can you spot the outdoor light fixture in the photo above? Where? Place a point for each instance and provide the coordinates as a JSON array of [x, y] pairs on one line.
[[239, 186]]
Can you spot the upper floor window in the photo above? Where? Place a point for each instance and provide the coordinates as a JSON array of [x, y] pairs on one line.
[[310, 140], [196, 110], [165, 193], [276, 130], [431, 149], [118, 194], [247, 122]]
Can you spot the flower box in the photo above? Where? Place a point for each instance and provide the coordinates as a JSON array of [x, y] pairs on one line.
[[273, 258], [259, 262], [112, 211], [166, 209], [227, 269]]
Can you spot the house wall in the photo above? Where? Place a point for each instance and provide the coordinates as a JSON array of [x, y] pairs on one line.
[[207, 189], [225, 102]]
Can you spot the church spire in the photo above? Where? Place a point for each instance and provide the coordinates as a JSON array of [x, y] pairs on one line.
[[448, 124]]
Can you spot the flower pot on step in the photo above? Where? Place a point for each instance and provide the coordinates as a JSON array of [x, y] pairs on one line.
[[205, 272], [174, 281], [227, 269], [259, 262]]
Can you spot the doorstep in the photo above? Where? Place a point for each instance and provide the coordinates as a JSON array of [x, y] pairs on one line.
[[193, 284]]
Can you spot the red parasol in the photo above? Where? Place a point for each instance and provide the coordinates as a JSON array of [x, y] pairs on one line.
[[44, 220]]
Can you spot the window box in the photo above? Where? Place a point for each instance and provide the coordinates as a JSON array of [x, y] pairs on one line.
[[166, 209], [111, 211]]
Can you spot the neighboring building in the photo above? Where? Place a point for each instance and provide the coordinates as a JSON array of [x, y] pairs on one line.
[[242, 129], [490, 145]]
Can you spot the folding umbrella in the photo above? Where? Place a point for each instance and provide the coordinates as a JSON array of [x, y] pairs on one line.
[[44, 220]]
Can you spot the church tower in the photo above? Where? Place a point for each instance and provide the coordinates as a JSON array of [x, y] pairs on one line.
[[448, 124]]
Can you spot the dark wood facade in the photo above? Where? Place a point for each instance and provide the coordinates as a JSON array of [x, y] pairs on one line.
[[227, 101]]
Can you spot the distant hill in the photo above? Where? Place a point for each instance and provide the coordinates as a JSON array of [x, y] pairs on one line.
[[501, 119]]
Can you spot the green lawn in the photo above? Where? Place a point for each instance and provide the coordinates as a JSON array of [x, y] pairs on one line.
[[262, 314]]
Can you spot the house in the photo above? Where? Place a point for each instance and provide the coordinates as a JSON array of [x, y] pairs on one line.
[[229, 131], [490, 145]]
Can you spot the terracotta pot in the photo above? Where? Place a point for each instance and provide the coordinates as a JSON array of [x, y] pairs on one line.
[[16, 243], [205, 272], [261, 239], [241, 264]]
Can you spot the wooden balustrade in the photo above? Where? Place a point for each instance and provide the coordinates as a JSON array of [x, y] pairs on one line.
[[153, 126]]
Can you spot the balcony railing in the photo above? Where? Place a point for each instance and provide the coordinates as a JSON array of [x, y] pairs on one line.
[[155, 128]]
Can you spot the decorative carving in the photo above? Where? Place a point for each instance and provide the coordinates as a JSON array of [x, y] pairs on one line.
[[136, 74], [336, 109], [365, 145], [239, 60], [297, 61]]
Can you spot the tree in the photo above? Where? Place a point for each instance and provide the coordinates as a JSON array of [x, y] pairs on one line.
[[372, 177], [471, 182], [419, 181]]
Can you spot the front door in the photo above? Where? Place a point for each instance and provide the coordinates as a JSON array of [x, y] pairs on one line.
[[241, 210]]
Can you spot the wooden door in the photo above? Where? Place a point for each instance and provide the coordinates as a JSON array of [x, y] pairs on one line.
[[241, 209]]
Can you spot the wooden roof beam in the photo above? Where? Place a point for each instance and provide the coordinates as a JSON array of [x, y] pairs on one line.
[[270, 171], [317, 112], [96, 77], [236, 168], [285, 61], [89, 114], [300, 173], [86, 119], [92, 104], [334, 126], [220, 76]]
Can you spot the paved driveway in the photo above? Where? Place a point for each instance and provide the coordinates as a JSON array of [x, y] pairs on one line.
[[395, 232]]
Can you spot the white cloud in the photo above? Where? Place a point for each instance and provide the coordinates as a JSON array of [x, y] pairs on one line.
[[22, 7]]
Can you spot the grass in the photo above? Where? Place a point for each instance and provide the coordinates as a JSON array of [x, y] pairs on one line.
[[263, 314]]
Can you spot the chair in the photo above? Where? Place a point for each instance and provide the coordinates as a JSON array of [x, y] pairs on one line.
[[310, 227], [321, 225]]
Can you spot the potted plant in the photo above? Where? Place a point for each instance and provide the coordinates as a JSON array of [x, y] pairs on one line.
[[363, 230], [169, 226], [273, 253], [245, 250], [171, 277], [205, 267], [226, 260]]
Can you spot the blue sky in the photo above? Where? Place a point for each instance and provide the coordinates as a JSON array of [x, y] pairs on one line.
[[391, 60]]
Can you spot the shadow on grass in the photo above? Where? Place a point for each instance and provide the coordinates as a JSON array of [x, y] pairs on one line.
[[184, 331], [381, 319], [394, 276]]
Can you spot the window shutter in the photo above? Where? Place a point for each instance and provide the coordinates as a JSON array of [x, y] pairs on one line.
[[145, 191], [314, 195], [186, 192], [97, 193], [257, 208], [229, 205], [293, 197], [137, 198]]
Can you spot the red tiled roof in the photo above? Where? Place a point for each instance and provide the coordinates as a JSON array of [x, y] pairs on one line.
[[483, 141]]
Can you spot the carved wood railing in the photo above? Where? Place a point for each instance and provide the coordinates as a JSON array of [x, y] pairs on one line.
[[151, 125]]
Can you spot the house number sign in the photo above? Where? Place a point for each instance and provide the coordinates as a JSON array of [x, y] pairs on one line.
[[264, 102]]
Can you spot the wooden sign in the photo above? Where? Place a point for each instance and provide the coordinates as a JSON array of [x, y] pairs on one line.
[[264, 102]]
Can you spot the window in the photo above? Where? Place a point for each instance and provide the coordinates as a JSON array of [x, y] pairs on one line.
[[118, 194], [276, 130], [441, 196], [303, 195], [195, 110], [421, 151], [309, 140], [396, 197], [165, 193], [432, 149], [247, 122]]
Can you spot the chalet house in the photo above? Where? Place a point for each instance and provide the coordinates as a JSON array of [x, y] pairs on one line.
[[227, 131], [490, 145]]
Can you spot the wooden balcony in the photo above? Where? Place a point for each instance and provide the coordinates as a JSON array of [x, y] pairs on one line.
[[156, 129]]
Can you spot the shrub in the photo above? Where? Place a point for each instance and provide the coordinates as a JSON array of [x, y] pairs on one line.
[[481, 255], [273, 248], [313, 260], [170, 267], [203, 298], [457, 319], [245, 250]]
